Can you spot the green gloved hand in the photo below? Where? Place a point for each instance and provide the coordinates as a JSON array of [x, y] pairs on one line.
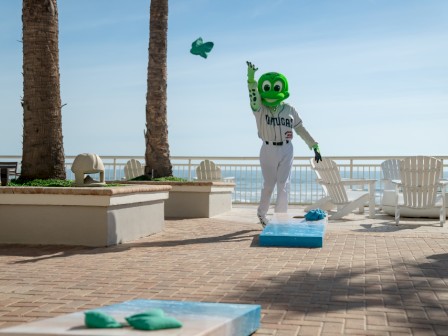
[[251, 72], [317, 156]]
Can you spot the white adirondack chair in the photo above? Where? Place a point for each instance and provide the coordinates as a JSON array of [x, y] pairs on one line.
[[325, 202], [420, 182], [209, 171], [345, 199], [133, 169], [391, 171]]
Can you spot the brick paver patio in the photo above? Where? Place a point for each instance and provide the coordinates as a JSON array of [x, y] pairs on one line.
[[370, 278]]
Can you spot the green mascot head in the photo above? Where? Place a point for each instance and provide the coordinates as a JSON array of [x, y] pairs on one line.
[[273, 88]]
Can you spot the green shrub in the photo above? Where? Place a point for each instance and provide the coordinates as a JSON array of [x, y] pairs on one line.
[[167, 178], [41, 183], [49, 183]]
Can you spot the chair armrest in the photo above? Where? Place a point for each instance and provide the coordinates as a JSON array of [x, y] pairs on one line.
[[350, 182], [396, 182], [319, 181], [358, 181]]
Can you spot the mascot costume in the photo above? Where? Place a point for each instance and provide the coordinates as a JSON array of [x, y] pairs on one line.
[[275, 122]]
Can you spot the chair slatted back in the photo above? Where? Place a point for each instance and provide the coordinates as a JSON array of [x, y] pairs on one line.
[[12, 168], [327, 172], [391, 171], [420, 176], [133, 169], [208, 171]]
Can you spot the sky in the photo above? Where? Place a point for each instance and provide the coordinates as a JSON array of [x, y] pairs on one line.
[[368, 77]]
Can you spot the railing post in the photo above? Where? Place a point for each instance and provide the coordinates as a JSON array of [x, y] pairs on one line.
[[189, 169], [443, 170], [351, 168], [115, 169]]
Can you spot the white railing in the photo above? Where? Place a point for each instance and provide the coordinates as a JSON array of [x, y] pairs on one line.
[[247, 173]]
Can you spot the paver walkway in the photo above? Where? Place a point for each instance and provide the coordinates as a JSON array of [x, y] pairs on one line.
[[370, 278]]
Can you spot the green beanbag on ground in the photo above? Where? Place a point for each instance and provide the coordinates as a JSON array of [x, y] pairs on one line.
[[152, 312], [97, 319], [151, 321]]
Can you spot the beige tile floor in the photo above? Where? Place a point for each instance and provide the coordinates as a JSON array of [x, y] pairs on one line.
[[370, 277]]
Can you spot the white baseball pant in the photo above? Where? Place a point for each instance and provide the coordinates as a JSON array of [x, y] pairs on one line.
[[276, 163]]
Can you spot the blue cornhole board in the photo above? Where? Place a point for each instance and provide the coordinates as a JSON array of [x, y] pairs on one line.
[[285, 230], [198, 318]]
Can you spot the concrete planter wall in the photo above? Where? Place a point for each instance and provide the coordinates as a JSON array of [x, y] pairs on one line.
[[81, 216], [196, 199]]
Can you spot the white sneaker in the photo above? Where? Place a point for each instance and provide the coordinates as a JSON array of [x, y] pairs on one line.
[[263, 220]]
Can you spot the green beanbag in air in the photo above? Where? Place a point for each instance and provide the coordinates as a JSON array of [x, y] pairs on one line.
[[201, 48]]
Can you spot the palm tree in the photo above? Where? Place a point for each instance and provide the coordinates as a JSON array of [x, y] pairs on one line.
[[157, 154], [43, 151]]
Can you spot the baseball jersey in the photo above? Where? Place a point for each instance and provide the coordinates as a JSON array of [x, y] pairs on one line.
[[277, 126]]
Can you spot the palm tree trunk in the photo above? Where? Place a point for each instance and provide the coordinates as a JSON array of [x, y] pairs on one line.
[[43, 152], [157, 154]]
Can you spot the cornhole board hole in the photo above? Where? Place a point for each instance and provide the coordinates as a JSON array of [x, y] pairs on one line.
[[286, 230], [198, 318]]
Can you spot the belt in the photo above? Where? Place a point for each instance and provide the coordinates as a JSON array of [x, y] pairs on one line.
[[277, 143]]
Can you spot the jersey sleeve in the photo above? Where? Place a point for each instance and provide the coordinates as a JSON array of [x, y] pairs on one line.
[[302, 131]]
